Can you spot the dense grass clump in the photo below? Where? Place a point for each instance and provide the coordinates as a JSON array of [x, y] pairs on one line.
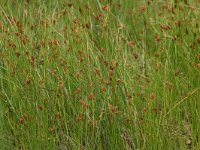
[[99, 74]]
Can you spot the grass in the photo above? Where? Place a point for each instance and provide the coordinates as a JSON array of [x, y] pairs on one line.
[[99, 74]]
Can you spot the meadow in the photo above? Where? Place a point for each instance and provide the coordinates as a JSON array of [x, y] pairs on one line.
[[99, 74]]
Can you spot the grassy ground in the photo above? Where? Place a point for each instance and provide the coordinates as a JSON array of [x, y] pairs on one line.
[[99, 74]]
